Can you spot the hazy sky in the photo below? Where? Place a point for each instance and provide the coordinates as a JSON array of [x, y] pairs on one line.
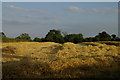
[[37, 18], [60, 0]]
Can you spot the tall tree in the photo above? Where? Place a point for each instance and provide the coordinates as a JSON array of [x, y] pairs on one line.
[[103, 36], [54, 36], [24, 36], [113, 37]]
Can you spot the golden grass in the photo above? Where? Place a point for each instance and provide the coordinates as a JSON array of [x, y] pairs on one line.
[[53, 60]]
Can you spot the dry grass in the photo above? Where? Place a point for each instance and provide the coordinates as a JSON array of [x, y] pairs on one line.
[[53, 60]]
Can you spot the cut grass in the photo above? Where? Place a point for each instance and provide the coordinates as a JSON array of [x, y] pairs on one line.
[[53, 60]]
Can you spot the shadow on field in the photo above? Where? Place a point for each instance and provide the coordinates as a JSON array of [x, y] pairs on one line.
[[13, 56], [85, 71], [26, 68], [115, 44]]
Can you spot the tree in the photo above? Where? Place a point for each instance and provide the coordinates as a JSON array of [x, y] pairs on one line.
[[37, 39], [115, 38], [75, 38], [103, 36], [54, 36], [24, 37], [2, 34], [96, 38], [89, 39]]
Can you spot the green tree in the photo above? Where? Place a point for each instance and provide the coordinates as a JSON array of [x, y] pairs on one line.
[[37, 39], [2, 34], [43, 40], [6, 39], [103, 36], [89, 39], [54, 36], [96, 38], [117, 39], [75, 38], [113, 37], [24, 37]]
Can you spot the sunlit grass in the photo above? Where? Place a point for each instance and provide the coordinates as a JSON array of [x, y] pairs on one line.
[[53, 60]]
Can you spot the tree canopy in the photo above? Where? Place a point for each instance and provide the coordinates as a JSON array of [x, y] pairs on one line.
[[36, 39], [24, 36], [61, 37], [2, 34], [75, 38], [103, 36], [54, 36]]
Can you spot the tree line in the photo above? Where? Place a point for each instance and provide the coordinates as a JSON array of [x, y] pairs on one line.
[[61, 37]]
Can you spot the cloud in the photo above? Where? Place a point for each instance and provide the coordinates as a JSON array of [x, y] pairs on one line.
[[27, 16], [7, 21], [40, 22], [13, 15], [14, 7], [104, 11], [75, 8], [21, 22], [94, 10], [43, 14], [48, 17]]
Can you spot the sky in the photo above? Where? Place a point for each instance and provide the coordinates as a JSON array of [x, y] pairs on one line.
[[59, 0], [37, 18]]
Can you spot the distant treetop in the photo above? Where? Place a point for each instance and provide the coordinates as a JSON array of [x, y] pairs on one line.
[[2, 34]]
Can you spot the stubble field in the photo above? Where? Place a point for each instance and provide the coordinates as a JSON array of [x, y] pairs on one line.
[[53, 60]]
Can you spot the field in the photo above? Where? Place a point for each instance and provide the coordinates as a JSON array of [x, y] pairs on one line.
[[54, 60]]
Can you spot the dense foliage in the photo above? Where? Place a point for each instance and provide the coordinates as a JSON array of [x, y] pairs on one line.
[[103, 36], [57, 36], [36, 39], [2, 34], [24, 36], [54, 36], [75, 38]]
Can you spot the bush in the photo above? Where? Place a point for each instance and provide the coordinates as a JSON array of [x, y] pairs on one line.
[[5, 39], [37, 39], [75, 38]]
